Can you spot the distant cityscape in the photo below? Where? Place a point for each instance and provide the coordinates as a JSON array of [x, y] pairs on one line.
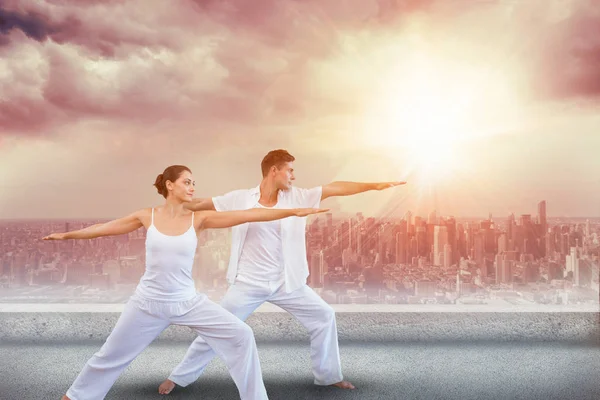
[[524, 260]]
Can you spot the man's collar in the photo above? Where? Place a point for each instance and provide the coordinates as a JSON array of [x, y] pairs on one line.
[[255, 191]]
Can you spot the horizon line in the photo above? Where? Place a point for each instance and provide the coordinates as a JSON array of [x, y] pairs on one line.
[[365, 216]]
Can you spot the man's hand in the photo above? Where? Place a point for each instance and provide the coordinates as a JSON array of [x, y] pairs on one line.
[[352, 188], [387, 185]]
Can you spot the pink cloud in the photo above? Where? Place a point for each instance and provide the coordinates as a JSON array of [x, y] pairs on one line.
[[231, 61]]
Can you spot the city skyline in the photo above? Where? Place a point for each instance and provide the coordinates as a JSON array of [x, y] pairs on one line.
[[521, 260], [481, 106]]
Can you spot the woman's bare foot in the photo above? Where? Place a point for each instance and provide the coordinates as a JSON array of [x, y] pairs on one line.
[[344, 385], [166, 387]]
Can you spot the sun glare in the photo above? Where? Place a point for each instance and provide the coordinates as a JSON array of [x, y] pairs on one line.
[[427, 111]]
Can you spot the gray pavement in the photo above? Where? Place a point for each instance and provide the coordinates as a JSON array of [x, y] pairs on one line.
[[525, 370]]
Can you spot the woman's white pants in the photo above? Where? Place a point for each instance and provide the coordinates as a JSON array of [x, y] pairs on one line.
[[143, 320]]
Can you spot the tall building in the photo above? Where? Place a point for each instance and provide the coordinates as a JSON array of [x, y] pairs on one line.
[[329, 217], [461, 242], [354, 238], [429, 232], [346, 259], [447, 262], [529, 235], [550, 244], [317, 270], [440, 239], [565, 243], [510, 224], [504, 269], [421, 237], [418, 221], [502, 245], [582, 275], [359, 243], [572, 260], [478, 247], [346, 235], [413, 250], [432, 218], [353, 234], [409, 217], [588, 230], [401, 248], [360, 218], [542, 215], [452, 239]]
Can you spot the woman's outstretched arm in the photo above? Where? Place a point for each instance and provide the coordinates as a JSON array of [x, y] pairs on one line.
[[112, 228], [226, 219]]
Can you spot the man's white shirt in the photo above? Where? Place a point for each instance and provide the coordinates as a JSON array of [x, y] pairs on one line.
[[255, 250], [262, 255]]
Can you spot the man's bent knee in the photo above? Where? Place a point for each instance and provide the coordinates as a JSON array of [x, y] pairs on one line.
[[244, 333], [328, 313]]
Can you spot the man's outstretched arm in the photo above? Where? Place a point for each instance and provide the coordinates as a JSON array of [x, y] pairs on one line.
[[341, 188], [200, 204]]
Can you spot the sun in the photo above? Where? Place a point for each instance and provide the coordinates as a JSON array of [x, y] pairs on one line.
[[428, 110], [423, 122]]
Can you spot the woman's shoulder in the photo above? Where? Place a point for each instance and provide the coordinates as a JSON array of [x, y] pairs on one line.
[[144, 212]]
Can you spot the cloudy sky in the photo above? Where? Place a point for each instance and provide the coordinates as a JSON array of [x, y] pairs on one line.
[[481, 105]]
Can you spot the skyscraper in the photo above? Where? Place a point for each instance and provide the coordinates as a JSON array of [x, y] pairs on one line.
[[346, 235], [529, 235], [413, 250], [588, 230], [542, 215], [447, 262], [440, 239], [582, 275], [504, 268], [452, 239], [432, 218], [421, 237], [408, 217], [550, 247], [478, 242], [572, 260], [510, 223], [316, 269], [401, 247], [502, 244]]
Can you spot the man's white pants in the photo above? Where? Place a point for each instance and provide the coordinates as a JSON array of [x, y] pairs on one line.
[[313, 312], [143, 320]]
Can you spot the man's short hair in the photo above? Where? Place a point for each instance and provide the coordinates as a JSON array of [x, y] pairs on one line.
[[275, 158]]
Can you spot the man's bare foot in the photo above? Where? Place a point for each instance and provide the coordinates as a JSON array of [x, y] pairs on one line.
[[344, 385], [166, 387]]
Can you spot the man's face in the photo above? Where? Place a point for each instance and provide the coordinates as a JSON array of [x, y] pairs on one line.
[[284, 175]]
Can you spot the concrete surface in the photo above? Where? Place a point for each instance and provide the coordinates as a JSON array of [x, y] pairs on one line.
[[428, 371], [410, 327]]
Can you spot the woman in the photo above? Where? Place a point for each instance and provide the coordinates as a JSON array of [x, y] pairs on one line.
[[166, 294]]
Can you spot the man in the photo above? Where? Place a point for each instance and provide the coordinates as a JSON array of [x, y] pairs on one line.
[[268, 263]]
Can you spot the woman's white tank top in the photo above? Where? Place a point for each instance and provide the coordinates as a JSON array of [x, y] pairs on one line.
[[169, 262]]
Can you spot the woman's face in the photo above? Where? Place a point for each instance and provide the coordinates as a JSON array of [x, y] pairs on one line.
[[183, 188]]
